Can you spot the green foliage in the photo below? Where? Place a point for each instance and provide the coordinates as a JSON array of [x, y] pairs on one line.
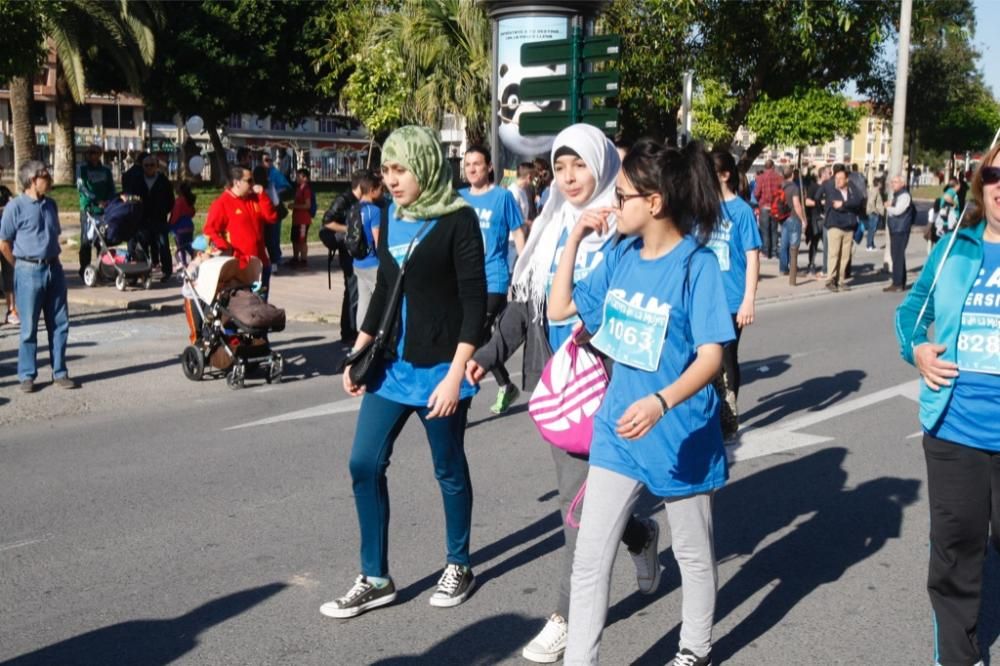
[[712, 105], [807, 117], [247, 56], [22, 46], [445, 48], [376, 91]]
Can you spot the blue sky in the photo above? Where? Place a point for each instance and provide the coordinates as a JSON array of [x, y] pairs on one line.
[[987, 20]]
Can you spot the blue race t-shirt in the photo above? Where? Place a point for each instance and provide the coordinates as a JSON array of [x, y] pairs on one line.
[[970, 417], [735, 235], [400, 380], [586, 262], [499, 215], [371, 217], [651, 316]]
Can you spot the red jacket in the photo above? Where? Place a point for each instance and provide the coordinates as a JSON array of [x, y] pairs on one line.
[[238, 223]]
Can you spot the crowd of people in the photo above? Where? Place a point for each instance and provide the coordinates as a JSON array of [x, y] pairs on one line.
[[645, 255]]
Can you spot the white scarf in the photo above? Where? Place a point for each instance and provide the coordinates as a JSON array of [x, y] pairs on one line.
[[531, 272]]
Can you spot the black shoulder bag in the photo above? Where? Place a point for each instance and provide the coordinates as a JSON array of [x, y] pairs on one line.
[[364, 363]]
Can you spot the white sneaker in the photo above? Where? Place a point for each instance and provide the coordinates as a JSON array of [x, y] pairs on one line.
[[647, 563], [550, 643]]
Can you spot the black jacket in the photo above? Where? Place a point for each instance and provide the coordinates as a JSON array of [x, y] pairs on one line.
[[157, 201], [445, 289], [337, 212], [845, 217]]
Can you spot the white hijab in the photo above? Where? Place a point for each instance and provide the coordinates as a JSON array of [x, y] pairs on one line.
[[531, 272]]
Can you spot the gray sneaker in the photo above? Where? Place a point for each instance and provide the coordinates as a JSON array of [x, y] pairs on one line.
[[647, 563], [454, 586], [28, 386], [362, 596], [687, 658], [65, 382]]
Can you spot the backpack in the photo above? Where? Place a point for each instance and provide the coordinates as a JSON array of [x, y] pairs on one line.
[[780, 210], [356, 240]]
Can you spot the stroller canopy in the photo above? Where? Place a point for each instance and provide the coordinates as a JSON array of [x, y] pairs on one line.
[[219, 272]]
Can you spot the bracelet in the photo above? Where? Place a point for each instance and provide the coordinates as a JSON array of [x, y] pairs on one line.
[[663, 404]]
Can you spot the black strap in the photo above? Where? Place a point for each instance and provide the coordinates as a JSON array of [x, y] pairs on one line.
[[389, 314]]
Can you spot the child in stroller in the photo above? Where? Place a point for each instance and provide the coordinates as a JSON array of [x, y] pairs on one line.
[[228, 320], [118, 224]]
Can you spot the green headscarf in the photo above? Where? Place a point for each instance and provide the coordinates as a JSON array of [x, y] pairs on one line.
[[419, 151]]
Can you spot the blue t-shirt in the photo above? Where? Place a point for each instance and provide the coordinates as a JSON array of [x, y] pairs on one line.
[[401, 381], [33, 226], [735, 235], [682, 292], [586, 262], [371, 217], [498, 215], [970, 417]]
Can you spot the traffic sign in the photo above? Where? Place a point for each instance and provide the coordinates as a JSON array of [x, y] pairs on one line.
[[551, 122], [559, 51], [540, 88]]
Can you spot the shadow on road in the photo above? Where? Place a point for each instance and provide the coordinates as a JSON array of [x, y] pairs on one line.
[[488, 641], [812, 395], [148, 642], [765, 368], [848, 525]]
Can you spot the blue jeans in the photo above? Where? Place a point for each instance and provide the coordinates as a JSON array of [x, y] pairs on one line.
[[869, 223], [872, 227], [791, 235], [40, 289], [379, 423]]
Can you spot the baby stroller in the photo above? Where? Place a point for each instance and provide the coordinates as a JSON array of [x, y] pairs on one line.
[[119, 224], [230, 323]]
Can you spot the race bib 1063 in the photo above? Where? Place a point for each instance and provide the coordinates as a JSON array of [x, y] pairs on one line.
[[632, 334], [979, 343]]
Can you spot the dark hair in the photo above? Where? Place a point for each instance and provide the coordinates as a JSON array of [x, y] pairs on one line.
[[622, 144], [236, 174], [726, 163], [357, 176], [686, 180], [368, 181], [260, 175], [482, 150], [977, 210], [525, 169], [184, 189], [563, 151], [303, 172], [839, 168]]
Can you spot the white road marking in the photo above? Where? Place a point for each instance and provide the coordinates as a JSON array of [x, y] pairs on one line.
[[25, 542], [757, 442]]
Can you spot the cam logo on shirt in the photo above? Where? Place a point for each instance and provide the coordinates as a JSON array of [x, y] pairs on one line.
[[585, 264], [633, 332], [719, 242]]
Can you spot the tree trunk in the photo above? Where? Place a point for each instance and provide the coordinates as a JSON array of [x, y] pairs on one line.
[[22, 94], [755, 149], [64, 161], [220, 165]]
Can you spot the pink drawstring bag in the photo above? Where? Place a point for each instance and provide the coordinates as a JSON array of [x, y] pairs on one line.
[[568, 395]]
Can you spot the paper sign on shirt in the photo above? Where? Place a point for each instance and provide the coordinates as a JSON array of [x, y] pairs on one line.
[[979, 333], [630, 333]]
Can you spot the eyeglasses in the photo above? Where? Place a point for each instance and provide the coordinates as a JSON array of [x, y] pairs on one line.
[[621, 197], [991, 175]]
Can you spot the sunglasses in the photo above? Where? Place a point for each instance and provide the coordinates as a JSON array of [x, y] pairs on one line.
[[621, 197], [991, 175]]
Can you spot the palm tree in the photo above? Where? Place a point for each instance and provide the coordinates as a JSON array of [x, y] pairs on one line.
[[446, 47], [121, 31], [22, 96]]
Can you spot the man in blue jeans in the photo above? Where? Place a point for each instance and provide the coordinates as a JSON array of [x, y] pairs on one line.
[[792, 227], [29, 239]]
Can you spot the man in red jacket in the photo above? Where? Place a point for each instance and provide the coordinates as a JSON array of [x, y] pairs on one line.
[[236, 220]]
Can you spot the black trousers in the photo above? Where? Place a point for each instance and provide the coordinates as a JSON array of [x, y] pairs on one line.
[[731, 361], [897, 250], [495, 304], [349, 306], [963, 487], [768, 233]]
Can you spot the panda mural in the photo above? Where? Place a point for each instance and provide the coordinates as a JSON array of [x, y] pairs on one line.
[[511, 108]]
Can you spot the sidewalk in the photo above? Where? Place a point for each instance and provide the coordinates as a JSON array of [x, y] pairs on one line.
[[304, 295]]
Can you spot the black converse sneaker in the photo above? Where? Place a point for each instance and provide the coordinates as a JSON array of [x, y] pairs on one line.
[[454, 587], [687, 658], [362, 596]]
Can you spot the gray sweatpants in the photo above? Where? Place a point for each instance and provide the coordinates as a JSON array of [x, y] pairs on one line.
[[610, 498], [366, 287]]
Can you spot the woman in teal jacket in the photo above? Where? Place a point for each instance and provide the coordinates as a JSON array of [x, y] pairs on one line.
[[959, 292]]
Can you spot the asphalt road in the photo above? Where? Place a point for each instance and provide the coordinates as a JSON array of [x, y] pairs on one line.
[[146, 519]]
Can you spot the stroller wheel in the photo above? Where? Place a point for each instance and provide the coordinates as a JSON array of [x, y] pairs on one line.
[[120, 282], [237, 374], [274, 370], [193, 363], [148, 282], [90, 275]]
